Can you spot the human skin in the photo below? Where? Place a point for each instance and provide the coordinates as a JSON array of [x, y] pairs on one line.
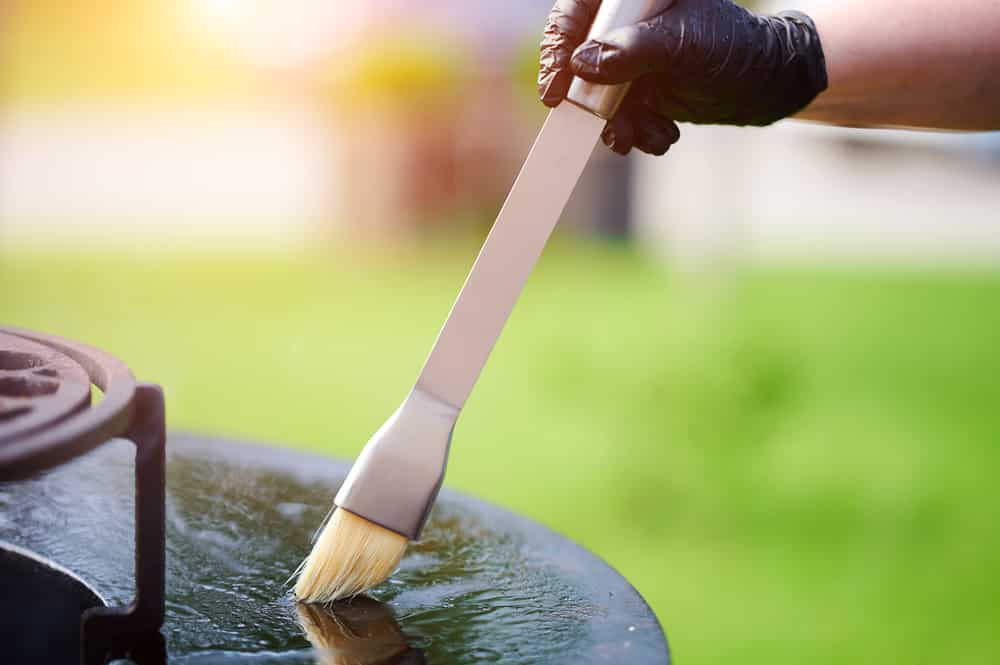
[[910, 63]]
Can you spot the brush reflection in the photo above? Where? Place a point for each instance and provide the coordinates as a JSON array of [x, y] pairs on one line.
[[361, 631]]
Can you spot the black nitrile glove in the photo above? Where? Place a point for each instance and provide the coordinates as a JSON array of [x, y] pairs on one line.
[[700, 61]]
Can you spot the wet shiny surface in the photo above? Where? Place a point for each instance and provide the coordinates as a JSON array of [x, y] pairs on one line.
[[482, 586]]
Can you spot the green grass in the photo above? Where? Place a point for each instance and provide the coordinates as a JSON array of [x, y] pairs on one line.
[[793, 466]]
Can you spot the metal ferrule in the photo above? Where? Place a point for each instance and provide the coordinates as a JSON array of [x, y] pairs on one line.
[[603, 100], [396, 479]]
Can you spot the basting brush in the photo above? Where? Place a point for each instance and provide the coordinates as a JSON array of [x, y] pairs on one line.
[[388, 494]]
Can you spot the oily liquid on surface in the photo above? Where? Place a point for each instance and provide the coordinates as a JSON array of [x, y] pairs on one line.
[[467, 593]]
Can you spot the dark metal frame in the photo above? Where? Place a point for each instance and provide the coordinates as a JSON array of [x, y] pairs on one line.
[[130, 410]]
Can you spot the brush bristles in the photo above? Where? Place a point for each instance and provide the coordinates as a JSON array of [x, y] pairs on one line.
[[350, 555]]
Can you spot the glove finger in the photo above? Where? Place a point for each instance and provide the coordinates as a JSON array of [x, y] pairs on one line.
[[656, 92], [553, 86], [618, 133], [565, 28], [654, 134], [622, 55], [654, 131]]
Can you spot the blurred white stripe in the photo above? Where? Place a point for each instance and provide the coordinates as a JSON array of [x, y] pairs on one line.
[[806, 191], [245, 173]]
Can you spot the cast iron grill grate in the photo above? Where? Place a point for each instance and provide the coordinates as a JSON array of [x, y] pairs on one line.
[[39, 386], [47, 419]]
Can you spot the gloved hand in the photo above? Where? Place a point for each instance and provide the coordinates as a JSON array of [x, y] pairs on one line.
[[700, 61]]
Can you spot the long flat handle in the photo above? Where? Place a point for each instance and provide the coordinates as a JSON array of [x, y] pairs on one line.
[[510, 252], [525, 222]]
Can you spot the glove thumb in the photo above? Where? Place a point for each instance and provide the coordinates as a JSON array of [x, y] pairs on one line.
[[620, 56]]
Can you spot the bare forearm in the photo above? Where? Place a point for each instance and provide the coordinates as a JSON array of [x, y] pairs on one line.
[[916, 63]]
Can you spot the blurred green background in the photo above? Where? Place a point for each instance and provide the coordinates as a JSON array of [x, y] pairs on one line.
[[794, 461]]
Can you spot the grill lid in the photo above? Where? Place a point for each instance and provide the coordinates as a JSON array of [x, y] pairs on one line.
[[484, 585]]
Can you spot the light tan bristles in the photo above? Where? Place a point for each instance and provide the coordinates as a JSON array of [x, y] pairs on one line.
[[350, 555]]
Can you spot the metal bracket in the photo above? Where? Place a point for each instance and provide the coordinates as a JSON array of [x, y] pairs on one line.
[[134, 630]]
